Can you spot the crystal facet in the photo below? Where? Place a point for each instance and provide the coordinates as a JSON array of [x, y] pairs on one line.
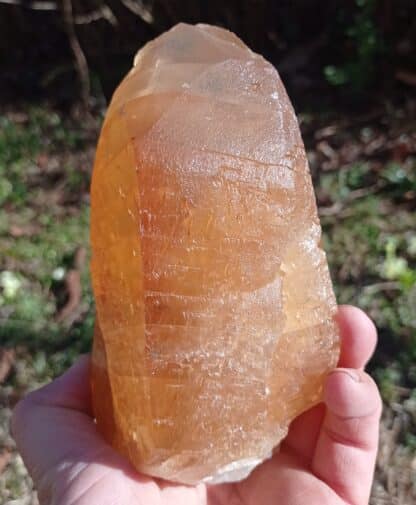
[[214, 302]]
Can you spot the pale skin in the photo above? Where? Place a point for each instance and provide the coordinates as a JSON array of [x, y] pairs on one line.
[[328, 457]]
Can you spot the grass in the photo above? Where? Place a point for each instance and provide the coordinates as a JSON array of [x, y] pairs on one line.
[[45, 164], [371, 246], [43, 223], [365, 179]]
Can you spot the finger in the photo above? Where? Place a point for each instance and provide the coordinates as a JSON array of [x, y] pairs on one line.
[[358, 340], [63, 451], [358, 337], [279, 480], [304, 432], [53, 422], [71, 390], [347, 445]]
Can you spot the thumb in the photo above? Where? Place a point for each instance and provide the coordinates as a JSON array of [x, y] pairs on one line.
[[47, 421], [347, 445], [56, 435]]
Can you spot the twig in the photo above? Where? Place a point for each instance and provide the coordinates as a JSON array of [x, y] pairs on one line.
[[80, 60], [70, 311], [337, 207], [408, 78], [7, 358], [102, 12], [37, 6], [381, 286], [138, 8], [5, 457], [333, 210]]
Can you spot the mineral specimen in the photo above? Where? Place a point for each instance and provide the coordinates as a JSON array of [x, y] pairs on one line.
[[214, 303]]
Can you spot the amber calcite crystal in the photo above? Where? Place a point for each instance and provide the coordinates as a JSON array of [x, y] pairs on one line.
[[214, 302]]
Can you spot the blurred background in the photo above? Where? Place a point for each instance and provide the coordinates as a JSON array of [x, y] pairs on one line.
[[350, 70]]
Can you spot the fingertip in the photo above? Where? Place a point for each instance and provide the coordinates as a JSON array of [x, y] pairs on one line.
[[351, 393], [358, 336], [348, 314]]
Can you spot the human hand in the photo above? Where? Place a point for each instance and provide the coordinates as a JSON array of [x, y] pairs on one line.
[[327, 458]]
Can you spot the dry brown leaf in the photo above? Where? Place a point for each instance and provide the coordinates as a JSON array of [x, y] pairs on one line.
[[7, 358], [5, 457]]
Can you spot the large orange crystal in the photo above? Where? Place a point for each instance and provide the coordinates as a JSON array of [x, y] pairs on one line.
[[214, 302]]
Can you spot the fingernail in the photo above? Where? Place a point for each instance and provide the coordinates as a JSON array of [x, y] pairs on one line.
[[352, 374]]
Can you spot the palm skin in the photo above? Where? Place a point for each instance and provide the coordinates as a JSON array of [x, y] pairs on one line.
[[327, 458]]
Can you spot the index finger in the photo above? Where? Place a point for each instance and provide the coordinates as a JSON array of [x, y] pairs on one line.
[[358, 337]]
